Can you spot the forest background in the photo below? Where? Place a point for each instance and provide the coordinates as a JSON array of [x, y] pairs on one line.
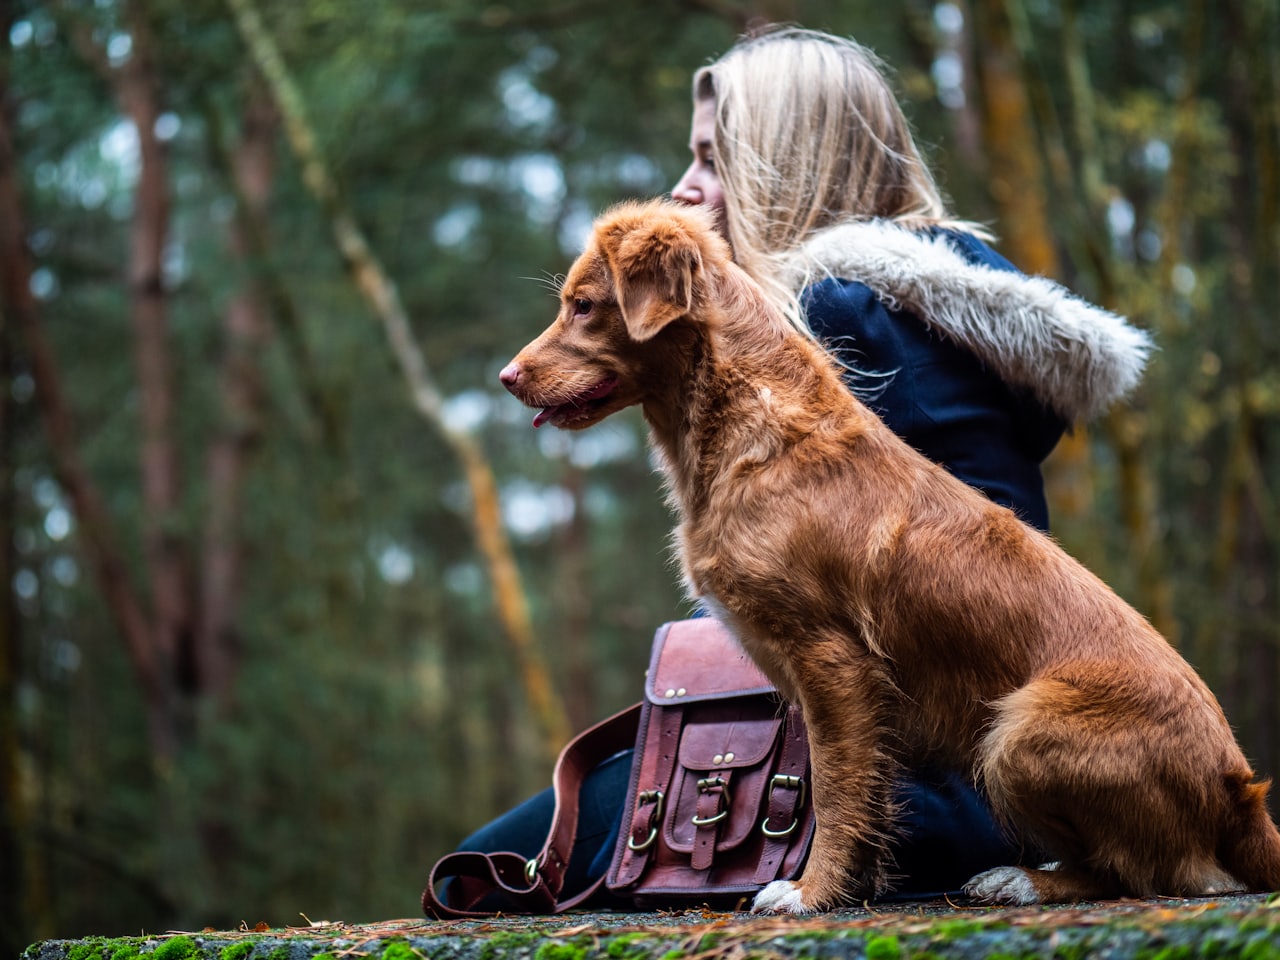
[[294, 595]]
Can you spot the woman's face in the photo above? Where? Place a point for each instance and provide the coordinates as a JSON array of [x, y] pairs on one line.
[[700, 185]]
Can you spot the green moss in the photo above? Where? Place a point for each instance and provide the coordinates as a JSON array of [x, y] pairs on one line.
[[1074, 950], [104, 948], [86, 951], [496, 946], [1260, 948], [177, 948], [560, 950], [236, 951], [709, 941], [399, 950], [884, 948], [625, 946], [953, 929]]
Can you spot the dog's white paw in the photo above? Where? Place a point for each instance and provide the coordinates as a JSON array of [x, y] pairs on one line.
[[781, 896], [1009, 885]]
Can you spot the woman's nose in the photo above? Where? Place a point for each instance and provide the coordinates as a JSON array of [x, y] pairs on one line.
[[686, 191]]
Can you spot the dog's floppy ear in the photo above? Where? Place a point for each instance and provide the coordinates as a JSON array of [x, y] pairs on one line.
[[654, 264]]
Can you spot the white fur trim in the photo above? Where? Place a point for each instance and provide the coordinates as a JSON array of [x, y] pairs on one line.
[[1074, 357]]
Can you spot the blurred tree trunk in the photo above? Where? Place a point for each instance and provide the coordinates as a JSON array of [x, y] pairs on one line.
[[159, 638], [245, 329], [1248, 551], [137, 87], [17, 932], [181, 643], [1013, 157], [377, 286], [23, 866], [1126, 428], [1016, 185], [1130, 431], [1006, 69], [13, 814]]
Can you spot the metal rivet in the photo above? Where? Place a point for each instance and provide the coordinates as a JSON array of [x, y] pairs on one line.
[[681, 692], [718, 759], [728, 758], [671, 693]]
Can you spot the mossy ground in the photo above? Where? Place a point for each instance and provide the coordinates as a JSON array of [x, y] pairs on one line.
[[1239, 927]]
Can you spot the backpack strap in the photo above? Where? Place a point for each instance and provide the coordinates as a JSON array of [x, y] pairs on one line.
[[533, 886], [786, 798]]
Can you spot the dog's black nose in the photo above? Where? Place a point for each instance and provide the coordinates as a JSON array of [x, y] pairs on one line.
[[509, 375]]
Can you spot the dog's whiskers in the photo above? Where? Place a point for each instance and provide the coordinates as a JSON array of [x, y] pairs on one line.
[[553, 282], [570, 381]]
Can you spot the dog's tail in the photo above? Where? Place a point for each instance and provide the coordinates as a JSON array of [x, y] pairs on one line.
[[1250, 848]]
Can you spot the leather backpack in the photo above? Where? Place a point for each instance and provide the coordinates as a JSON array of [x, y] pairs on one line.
[[718, 803]]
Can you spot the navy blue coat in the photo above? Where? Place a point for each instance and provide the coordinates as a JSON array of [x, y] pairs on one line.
[[936, 394]]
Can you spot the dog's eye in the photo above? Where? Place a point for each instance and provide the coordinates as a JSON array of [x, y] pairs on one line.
[[582, 307]]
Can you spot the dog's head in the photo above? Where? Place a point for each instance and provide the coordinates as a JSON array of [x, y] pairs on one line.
[[644, 269]]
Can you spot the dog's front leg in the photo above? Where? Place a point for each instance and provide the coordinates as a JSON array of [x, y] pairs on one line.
[[844, 696]]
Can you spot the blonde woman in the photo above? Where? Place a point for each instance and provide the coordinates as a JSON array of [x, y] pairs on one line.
[[800, 146], [804, 153]]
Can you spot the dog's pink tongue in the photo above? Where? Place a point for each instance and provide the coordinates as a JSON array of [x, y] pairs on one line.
[[543, 416]]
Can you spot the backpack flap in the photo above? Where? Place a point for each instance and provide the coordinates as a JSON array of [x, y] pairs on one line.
[[699, 659]]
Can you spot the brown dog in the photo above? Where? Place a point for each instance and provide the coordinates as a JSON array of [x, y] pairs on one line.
[[915, 621]]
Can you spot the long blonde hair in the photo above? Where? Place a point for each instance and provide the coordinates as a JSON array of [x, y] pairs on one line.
[[808, 134]]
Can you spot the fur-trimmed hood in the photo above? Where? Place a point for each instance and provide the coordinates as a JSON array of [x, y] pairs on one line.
[[1076, 358]]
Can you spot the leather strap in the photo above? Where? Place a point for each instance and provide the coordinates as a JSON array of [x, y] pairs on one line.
[[712, 809], [533, 886], [786, 800], [652, 790]]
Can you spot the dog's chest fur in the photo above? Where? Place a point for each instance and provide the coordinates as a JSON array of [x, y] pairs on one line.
[[761, 469]]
